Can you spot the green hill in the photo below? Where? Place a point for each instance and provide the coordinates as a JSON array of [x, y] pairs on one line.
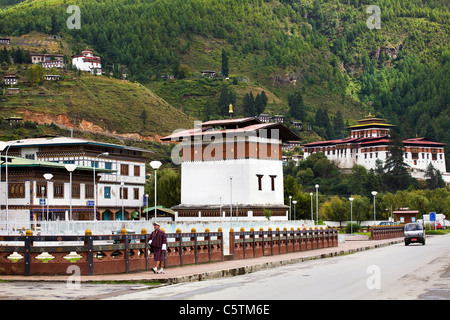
[[324, 47]]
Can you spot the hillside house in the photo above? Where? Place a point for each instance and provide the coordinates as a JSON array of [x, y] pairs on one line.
[[10, 79], [5, 41], [39, 58], [87, 61]]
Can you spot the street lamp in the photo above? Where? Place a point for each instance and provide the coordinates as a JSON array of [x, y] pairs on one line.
[[95, 187], [146, 205], [317, 204], [48, 177], [312, 217], [123, 208], [71, 168], [3, 145], [294, 202], [351, 214], [290, 208], [155, 165], [374, 193]]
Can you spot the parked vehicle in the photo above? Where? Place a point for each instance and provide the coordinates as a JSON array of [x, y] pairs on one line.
[[414, 232]]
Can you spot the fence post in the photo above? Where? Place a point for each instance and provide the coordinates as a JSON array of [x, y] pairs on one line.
[[27, 258], [208, 237], [242, 236], [124, 240], [231, 242], [144, 232]]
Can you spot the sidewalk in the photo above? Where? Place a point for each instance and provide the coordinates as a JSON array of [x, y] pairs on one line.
[[218, 269]]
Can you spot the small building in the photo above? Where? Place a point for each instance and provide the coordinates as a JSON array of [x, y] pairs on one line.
[[87, 61], [38, 58], [277, 118], [12, 91], [208, 73], [5, 41], [264, 117], [52, 64], [10, 79], [297, 124], [52, 77], [13, 120], [403, 215]]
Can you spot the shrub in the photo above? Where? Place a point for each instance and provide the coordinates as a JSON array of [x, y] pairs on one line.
[[356, 227]]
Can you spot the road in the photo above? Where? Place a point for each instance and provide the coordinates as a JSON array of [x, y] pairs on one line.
[[392, 272]]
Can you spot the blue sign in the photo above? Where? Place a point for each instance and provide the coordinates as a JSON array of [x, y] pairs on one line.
[[42, 202], [432, 216], [90, 203]]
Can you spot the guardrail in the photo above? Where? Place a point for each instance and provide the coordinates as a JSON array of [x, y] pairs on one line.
[[102, 254], [252, 244], [386, 232]]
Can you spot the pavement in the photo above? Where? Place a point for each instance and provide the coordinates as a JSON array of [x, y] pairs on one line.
[[213, 270]]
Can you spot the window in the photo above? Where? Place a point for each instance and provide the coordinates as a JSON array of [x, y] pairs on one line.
[[58, 190], [29, 156], [272, 182], [137, 171], [124, 193], [76, 191], [39, 188], [260, 176], [107, 193], [89, 191], [136, 193], [124, 169], [94, 164], [17, 190], [108, 165]]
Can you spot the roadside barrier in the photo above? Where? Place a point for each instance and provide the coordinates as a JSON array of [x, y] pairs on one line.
[[386, 232], [102, 254], [252, 244]]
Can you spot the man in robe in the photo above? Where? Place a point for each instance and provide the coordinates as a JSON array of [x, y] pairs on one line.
[[158, 242]]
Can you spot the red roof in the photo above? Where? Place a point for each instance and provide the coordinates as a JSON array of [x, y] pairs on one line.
[[423, 141]]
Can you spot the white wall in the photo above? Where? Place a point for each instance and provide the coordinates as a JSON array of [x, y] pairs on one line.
[[208, 182]]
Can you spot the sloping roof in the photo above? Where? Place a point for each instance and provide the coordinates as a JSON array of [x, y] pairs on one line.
[[242, 126], [35, 142], [422, 141], [16, 162]]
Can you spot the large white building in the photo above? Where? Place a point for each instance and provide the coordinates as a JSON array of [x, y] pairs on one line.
[[87, 61], [368, 142], [237, 163], [119, 179]]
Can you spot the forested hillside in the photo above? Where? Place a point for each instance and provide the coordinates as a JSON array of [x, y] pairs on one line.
[[324, 47]]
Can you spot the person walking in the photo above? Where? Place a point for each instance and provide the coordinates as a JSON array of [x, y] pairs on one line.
[[158, 244]]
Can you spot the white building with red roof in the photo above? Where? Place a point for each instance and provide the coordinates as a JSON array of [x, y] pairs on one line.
[[87, 61], [368, 142], [232, 165]]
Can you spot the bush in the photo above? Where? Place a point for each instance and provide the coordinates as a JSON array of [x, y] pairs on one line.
[[356, 227]]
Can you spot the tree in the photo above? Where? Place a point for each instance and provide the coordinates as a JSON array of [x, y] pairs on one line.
[[225, 68], [249, 105], [296, 106], [36, 74], [336, 210], [396, 175], [338, 125], [433, 178]]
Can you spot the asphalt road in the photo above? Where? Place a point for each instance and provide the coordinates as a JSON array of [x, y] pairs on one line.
[[392, 272]]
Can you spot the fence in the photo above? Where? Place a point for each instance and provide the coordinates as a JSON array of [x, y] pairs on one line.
[[102, 254], [252, 244], [386, 232]]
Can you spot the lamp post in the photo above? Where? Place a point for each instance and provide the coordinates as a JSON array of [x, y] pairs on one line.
[[43, 198], [374, 193], [48, 177], [312, 217], [290, 208], [351, 214], [294, 202], [317, 204], [155, 165], [95, 186], [123, 207], [3, 145], [71, 168], [146, 205]]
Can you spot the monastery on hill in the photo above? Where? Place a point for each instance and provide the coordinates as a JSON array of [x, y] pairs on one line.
[[233, 163], [369, 141]]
